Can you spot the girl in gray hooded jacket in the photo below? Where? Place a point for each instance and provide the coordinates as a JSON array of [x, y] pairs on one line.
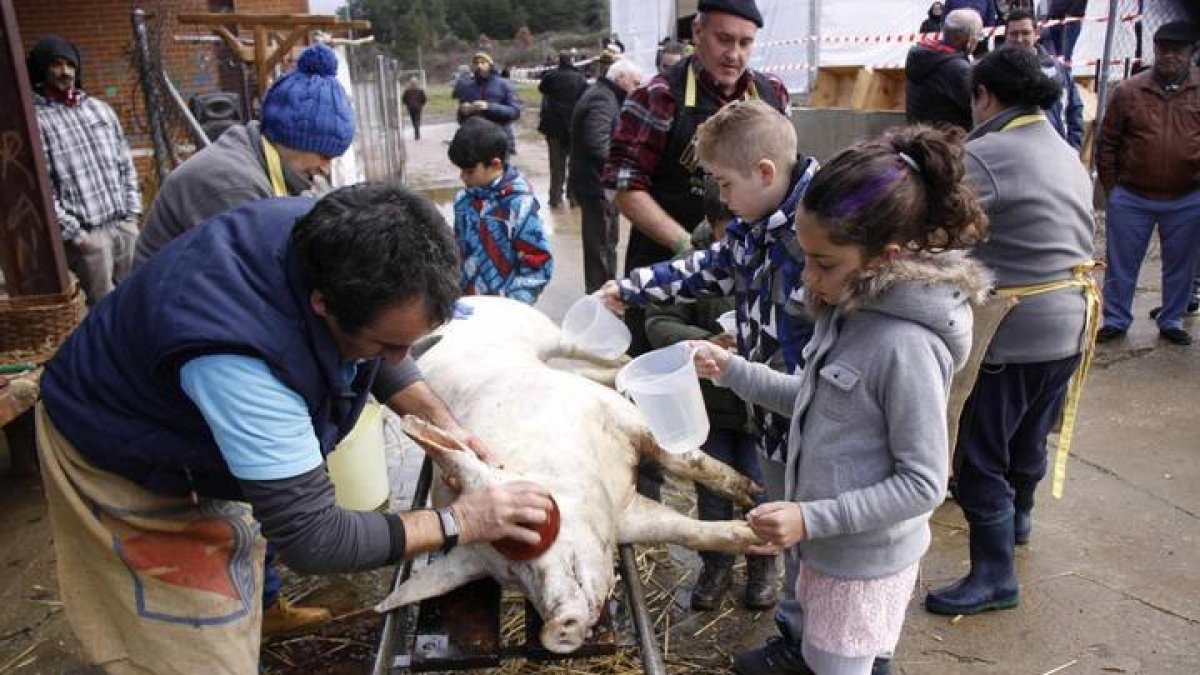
[[868, 448]]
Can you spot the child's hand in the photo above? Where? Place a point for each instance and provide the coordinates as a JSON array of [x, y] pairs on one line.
[[780, 524], [711, 360], [610, 295], [723, 340]]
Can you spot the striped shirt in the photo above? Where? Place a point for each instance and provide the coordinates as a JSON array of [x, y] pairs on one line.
[[95, 184]]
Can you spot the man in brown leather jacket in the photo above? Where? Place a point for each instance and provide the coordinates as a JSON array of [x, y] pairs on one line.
[[1149, 164]]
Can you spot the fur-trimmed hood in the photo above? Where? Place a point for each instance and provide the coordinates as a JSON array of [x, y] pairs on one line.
[[934, 290]]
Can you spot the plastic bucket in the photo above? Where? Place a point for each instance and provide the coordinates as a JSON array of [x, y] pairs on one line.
[[358, 466], [590, 327], [664, 386]]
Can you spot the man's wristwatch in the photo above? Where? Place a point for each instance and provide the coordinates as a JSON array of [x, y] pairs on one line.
[[449, 528]]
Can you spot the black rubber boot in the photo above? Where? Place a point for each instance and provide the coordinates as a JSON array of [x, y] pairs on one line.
[[762, 588], [992, 582], [780, 656], [711, 587]]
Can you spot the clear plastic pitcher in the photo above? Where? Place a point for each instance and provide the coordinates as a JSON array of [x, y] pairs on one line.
[[664, 386], [358, 466], [590, 327]]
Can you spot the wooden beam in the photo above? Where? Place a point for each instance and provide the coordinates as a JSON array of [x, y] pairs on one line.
[[324, 22], [283, 48], [246, 54]]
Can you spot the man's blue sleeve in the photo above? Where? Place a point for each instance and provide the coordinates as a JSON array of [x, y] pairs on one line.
[[262, 427]]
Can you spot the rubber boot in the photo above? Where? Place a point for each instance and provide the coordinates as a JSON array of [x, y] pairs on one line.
[[992, 582], [283, 617], [711, 587], [762, 588]]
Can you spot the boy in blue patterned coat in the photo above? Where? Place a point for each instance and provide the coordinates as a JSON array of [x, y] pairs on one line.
[[496, 223]]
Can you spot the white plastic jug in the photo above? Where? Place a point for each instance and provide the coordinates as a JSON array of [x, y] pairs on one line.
[[590, 327], [358, 466], [664, 386]]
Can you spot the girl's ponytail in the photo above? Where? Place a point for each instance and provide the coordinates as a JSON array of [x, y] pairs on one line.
[[953, 218]]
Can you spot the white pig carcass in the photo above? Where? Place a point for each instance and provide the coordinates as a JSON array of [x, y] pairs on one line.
[[576, 437]]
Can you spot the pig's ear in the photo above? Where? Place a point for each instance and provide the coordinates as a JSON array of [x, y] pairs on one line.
[[423, 345]]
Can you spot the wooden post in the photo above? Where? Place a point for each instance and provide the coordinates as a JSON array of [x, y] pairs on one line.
[[31, 251]]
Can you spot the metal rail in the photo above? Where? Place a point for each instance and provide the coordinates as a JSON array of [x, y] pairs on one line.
[[402, 621], [385, 652], [652, 660]]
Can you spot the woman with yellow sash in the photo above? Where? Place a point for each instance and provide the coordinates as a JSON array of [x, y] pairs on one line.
[[1038, 198]]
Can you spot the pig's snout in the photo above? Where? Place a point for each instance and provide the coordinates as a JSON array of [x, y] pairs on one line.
[[565, 633]]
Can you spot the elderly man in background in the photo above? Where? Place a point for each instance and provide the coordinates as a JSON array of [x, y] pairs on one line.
[[96, 198], [938, 73], [485, 93], [592, 126], [1149, 164], [1066, 115], [560, 89]]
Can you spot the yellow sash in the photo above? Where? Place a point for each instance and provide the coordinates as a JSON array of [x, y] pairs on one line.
[[1082, 279], [689, 90], [274, 168]]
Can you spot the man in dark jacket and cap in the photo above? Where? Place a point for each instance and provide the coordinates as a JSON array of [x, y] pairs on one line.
[[560, 89], [938, 73], [96, 198], [592, 127]]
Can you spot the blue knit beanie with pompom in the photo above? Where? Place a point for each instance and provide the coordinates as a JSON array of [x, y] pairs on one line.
[[307, 109]]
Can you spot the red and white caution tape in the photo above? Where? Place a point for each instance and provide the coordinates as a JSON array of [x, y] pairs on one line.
[[914, 37]]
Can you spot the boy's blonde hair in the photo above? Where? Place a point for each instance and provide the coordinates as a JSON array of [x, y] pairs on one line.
[[743, 133]]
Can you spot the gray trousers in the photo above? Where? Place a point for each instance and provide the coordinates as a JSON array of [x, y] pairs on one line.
[[601, 229], [789, 616], [102, 268], [559, 151]]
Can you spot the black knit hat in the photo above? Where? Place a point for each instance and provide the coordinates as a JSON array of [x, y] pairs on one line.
[[743, 8], [46, 50], [1177, 31]]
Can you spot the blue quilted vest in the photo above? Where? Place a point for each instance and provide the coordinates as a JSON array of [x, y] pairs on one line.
[[230, 286]]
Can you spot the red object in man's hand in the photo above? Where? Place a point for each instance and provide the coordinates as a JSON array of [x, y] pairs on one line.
[[520, 551]]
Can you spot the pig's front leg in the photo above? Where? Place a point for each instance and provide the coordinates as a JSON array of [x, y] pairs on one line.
[[460, 566], [647, 522]]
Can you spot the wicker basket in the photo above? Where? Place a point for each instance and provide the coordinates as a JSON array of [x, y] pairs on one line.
[[33, 326]]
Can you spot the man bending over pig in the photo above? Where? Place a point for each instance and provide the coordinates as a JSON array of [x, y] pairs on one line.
[[224, 372]]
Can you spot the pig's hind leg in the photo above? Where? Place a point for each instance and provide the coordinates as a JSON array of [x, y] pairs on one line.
[[696, 466]]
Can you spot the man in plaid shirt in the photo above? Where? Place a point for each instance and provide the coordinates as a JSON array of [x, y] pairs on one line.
[[96, 197]]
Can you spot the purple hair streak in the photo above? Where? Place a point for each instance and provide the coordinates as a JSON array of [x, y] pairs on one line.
[[866, 194]]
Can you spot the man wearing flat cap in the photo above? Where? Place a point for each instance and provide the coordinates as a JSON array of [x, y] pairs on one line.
[[1149, 165], [488, 95], [658, 186], [96, 198]]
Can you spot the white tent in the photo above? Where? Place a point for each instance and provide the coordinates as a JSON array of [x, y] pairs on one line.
[[877, 33]]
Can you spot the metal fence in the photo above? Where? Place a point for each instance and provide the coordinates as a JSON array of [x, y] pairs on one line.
[[380, 137]]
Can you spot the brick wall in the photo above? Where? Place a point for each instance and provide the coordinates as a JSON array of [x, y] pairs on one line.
[[104, 32]]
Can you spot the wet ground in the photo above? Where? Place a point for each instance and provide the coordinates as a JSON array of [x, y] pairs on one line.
[[1110, 581]]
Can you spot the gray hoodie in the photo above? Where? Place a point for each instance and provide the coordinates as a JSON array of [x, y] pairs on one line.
[[868, 449]]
